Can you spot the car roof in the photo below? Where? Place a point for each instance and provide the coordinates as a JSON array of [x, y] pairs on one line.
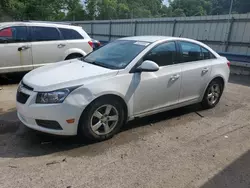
[[145, 38], [46, 24], [39, 23], [153, 38]]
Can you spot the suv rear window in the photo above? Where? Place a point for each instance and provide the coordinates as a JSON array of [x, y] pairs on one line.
[[45, 34], [70, 34]]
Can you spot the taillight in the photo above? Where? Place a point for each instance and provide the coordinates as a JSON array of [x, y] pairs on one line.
[[99, 44], [91, 44], [228, 64]]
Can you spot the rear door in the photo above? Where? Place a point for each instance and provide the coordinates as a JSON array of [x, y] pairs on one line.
[[48, 45], [15, 49], [75, 40], [196, 67]]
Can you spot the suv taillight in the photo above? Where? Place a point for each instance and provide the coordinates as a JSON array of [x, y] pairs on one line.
[[91, 44], [228, 64]]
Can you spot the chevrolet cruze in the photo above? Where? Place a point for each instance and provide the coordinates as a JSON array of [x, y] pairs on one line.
[[131, 77]]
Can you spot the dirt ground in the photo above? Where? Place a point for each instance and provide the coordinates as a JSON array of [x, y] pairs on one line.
[[183, 148]]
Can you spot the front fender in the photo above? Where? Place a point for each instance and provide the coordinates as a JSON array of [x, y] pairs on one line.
[[74, 51]]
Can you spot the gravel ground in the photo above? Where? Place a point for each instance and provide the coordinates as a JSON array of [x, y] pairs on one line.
[[183, 148]]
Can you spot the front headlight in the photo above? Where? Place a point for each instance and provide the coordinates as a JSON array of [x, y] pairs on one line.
[[53, 97]]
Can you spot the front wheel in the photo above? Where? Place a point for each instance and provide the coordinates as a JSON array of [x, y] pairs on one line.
[[213, 94], [101, 120]]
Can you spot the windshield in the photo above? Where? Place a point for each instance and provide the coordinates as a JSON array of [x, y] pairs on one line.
[[116, 55]]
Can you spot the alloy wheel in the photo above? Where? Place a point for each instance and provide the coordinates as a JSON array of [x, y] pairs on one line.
[[104, 119], [213, 94]]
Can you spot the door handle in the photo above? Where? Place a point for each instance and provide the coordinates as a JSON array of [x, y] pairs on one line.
[[61, 45], [175, 77], [23, 48], [205, 70]]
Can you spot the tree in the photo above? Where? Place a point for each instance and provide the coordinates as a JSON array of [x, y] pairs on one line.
[[223, 6], [241, 6], [114, 9], [220, 7], [191, 7], [32, 9], [166, 11], [178, 13], [125, 9], [91, 9], [74, 10], [109, 9]]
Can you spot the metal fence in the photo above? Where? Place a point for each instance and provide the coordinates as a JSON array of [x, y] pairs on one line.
[[223, 33]]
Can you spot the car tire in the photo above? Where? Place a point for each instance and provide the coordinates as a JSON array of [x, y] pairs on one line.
[[73, 56], [213, 94], [101, 111]]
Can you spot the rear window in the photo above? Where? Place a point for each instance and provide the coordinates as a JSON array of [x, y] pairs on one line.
[[207, 54], [70, 34], [45, 34], [190, 52]]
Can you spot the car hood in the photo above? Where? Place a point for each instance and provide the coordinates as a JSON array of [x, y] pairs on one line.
[[65, 74]]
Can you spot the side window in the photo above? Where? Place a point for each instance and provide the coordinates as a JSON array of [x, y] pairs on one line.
[[207, 54], [164, 54], [70, 34], [14, 34], [45, 34], [190, 52]]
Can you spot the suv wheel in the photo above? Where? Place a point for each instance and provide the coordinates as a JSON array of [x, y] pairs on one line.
[[73, 56]]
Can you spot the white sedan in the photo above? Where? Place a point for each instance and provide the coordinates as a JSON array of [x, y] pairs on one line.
[[128, 78]]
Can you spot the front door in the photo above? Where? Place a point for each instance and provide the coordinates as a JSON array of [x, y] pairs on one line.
[[15, 49], [196, 69], [47, 45], [159, 89]]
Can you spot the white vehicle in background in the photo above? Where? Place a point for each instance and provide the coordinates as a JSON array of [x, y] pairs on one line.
[[128, 78], [27, 45]]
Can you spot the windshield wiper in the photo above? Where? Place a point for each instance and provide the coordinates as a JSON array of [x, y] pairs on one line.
[[95, 63], [108, 66]]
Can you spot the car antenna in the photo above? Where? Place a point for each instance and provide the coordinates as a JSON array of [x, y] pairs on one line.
[[181, 33]]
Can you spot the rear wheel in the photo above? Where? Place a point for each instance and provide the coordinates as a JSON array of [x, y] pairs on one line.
[[73, 56], [101, 120], [213, 94]]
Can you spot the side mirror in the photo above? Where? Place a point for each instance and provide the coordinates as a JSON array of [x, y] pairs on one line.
[[147, 66]]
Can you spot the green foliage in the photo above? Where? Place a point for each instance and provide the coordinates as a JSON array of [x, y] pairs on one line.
[[33, 9], [223, 6], [118, 9], [191, 7], [114, 9], [74, 11], [178, 12]]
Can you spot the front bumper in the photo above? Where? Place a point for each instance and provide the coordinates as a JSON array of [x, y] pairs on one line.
[[29, 112]]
